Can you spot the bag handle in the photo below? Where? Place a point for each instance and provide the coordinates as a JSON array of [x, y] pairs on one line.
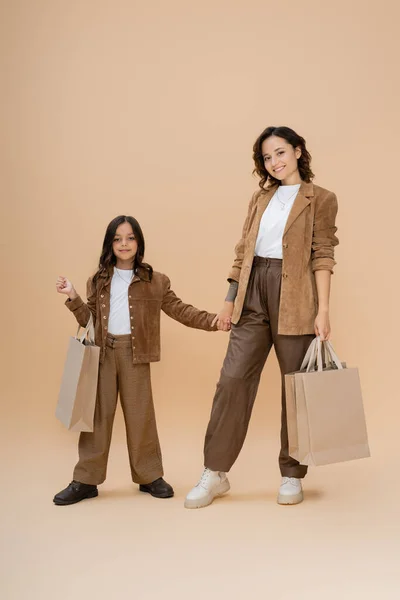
[[334, 357], [88, 331], [314, 356], [310, 355]]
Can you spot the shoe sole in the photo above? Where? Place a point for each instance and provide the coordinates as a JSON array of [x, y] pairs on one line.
[[290, 500], [207, 500], [93, 494], [167, 495]]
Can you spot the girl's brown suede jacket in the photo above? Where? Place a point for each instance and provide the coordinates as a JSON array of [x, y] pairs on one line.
[[147, 298]]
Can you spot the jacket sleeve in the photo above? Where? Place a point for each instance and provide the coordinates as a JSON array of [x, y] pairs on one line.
[[234, 274], [324, 238], [81, 309], [185, 313]]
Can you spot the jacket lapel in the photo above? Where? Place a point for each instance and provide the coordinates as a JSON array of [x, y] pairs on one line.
[[303, 199], [263, 201]]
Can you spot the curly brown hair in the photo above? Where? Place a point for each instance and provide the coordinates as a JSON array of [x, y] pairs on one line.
[[295, 140]]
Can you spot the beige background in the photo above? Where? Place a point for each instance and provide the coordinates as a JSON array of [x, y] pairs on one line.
[[151, 109]]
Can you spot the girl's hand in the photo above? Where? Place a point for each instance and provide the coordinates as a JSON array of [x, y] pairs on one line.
[[64, 286], [322, 326], [223, 318]]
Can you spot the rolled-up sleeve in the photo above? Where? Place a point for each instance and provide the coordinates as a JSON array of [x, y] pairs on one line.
[[324, 238]]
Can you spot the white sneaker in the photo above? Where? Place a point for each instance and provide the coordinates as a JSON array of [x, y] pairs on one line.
[[290, 491], [211, 485]]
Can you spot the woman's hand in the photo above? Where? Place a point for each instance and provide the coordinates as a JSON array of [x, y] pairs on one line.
[[223, 318], [322, 325], [64, 286]]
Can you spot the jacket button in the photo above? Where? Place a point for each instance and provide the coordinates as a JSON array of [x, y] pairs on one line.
[[130, 307], [105, 326], [285, 245], [131, 318], [103, 305], [102, 296], [130, 296], [104, 317], [284, 275], [132, 327]]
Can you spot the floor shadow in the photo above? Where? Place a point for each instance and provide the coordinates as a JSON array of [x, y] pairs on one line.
[[312, 495], [268, 495]]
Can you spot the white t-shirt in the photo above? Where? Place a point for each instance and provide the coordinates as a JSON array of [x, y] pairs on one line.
[[119, 320], [273, 222]]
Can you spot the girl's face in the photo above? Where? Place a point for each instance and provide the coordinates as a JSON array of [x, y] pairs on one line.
[[124, 246], [280, 160]]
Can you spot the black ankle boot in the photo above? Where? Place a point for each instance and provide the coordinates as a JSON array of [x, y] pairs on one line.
[[158, 488], [74, 493]]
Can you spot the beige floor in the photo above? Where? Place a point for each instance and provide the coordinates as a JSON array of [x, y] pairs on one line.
[[342, 542]]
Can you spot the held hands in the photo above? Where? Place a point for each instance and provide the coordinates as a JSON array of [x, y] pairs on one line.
[[322, 325], [64, 286], [223, 318]]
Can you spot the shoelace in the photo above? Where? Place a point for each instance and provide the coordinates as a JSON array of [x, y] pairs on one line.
[[291, 480], [204, 478]]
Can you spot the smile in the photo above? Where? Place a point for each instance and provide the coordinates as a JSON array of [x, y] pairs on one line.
[[279, 169]]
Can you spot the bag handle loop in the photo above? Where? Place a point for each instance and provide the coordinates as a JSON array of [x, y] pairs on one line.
[[313, 356], [88, 332]]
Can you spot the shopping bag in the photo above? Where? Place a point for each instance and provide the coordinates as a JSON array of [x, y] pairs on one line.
[[290, 394], [327, 402], [77, 396]]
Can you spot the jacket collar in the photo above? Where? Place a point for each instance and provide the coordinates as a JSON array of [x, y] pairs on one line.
[[141, 274], [303, 199], [306, 189]]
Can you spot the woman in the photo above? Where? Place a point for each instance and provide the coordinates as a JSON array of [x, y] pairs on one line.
[[279, 295]]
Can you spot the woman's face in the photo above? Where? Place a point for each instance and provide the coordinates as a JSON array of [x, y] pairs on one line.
[[125, 246], [280, 160]]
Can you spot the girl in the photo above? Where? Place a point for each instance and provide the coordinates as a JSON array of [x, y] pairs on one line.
[[279, 296], [125, 298]]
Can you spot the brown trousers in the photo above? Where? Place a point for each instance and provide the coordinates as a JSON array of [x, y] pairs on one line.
[[119, 374], [249, 345]]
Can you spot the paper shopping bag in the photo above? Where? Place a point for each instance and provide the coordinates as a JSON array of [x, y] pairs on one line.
[[329, 409], [291, 407], [77, 396]]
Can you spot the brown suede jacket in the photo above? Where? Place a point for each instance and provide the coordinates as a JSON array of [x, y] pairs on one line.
[[307, 245], [147, 298]]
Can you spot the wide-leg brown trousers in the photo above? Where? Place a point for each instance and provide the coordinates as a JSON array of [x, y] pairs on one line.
[[118, 374], [249, 345]]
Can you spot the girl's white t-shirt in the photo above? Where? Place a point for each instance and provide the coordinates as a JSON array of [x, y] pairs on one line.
[[119, 319], [273, 222]]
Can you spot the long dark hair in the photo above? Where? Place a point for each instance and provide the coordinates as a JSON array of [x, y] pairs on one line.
[[295, 140], [108, 258]]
